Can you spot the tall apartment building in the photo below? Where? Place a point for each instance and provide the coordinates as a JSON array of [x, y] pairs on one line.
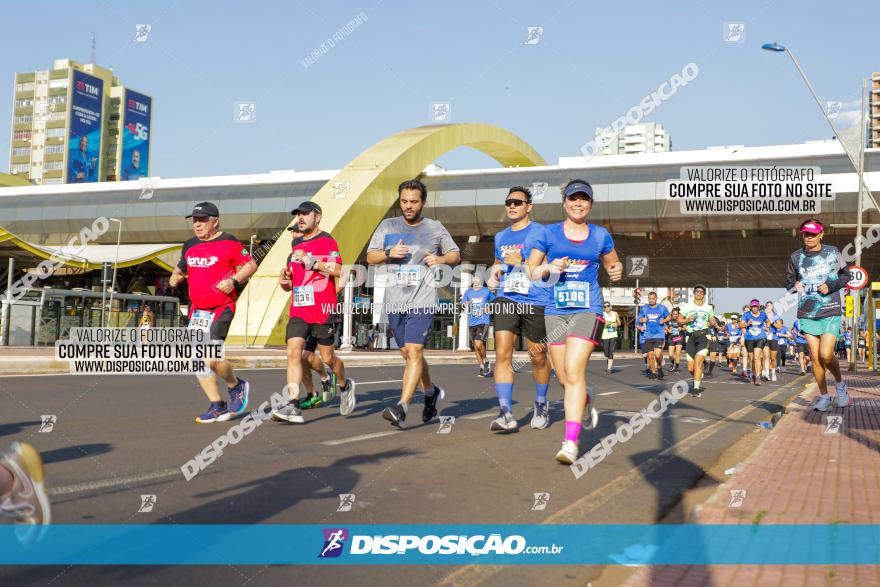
[[77, 123], [874, 120], [636, 138]]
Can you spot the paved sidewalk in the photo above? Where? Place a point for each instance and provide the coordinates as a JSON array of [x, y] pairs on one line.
[[800, 474]]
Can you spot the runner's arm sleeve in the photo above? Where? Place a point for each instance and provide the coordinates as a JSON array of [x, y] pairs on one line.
[[842, 278], [791, 271]]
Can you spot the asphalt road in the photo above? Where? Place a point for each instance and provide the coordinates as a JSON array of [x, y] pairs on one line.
[[117, 438]]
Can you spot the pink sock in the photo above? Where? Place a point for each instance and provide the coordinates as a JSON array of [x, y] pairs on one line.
[[572, 431]]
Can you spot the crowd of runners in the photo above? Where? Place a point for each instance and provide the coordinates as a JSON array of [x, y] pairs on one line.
[[542, 287]]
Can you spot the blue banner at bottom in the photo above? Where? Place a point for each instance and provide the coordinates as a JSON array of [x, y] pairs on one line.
[[278, 544]]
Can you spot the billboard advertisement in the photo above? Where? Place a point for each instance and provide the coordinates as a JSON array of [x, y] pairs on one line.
[[137, 112], [84, 141]]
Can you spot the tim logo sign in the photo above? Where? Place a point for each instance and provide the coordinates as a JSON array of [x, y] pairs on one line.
[[334, 541]]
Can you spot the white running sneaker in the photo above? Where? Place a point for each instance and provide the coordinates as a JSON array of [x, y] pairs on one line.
[[568, 454], [823, 404], [505, 422], [842, 395], [773, 375]]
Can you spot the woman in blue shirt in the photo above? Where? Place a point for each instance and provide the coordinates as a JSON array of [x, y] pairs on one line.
[[570, 253]]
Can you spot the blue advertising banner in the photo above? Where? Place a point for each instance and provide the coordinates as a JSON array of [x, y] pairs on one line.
[[137, 112], [84, 141], [513, 544]]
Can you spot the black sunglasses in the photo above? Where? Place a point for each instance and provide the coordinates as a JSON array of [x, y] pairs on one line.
[[514, 202]]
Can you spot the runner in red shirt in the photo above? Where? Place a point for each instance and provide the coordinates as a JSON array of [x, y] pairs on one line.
[[313, 266], [214, 263]]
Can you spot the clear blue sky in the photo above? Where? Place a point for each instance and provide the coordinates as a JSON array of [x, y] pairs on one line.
[[594, 61]]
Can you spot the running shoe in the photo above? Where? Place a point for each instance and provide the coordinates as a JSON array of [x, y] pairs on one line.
[[217, 412], [803, 372], [430, 409], [541, 416], [607, 371], [651, 375], [313, 400], [823, 404], [482, 372], [842, 395], [660, 373], [238, 396], [329, 393], [516, 367], [504, 422], [591, 418], [27, 504], [347, 398], [773, 375], [755, 379], [568, 454], [395, 415], [288, 413]]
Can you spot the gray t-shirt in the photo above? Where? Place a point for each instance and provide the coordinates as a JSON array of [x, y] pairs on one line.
[[410, 283]]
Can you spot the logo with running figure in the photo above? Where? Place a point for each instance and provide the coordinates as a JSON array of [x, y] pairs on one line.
[[541, 501], [334, 542], [346, 501]]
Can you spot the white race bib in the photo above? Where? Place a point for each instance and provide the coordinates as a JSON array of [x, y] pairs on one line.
[[516, 282], [201, 320], [408, 275], [303, 296]]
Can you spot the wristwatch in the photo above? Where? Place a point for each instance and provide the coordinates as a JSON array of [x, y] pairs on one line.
[[235, 282], [388, 252]]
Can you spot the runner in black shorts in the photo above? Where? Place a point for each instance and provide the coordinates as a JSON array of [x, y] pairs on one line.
[[675, 339], [476, 302], [311, 360], [518, 310], [214, 263], [695, 318]]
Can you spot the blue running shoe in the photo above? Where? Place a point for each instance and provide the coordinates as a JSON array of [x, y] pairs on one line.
[[216, 413], [238, 396]]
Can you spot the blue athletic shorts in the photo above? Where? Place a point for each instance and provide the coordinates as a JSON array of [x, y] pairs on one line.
[[411, 327]]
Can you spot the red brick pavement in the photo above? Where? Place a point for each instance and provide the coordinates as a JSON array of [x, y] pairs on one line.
[[798, 475]]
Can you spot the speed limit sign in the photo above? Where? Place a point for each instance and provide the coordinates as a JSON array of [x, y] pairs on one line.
[[859, 277]]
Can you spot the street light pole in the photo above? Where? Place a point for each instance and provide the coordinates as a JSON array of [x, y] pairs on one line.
[[776, 47], [247, 314], [858, 304], [115, 265]]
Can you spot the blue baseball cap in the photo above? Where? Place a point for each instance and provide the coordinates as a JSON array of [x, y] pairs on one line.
[[579, 187]]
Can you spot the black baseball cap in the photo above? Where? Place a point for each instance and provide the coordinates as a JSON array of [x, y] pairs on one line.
[[204, 210], [305, 208]]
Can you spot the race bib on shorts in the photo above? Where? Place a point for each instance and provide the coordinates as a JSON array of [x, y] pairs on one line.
[[201, 320], [304, 296], [572, 295], [408, 275], [516, 282]]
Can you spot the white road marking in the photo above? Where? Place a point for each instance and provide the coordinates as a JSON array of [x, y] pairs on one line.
[[609, 392], [358, 438], [92, 485], [480, 416]]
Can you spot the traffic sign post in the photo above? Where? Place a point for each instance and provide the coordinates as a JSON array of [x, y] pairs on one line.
[[858, 280]]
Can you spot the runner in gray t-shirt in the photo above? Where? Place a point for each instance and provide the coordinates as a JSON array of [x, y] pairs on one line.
[[410, 247]]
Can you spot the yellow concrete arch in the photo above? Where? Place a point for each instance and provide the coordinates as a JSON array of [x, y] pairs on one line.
[[356, 200]]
